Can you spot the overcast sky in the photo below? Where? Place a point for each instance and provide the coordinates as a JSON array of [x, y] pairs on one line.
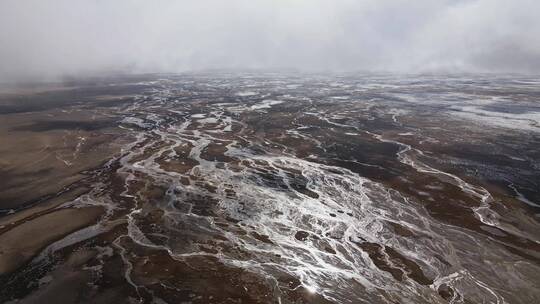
[[41, 39]]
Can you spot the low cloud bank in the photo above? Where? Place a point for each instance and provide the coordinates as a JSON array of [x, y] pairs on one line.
[[50, 39]]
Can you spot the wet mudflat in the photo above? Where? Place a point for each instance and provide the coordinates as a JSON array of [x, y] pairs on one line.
[[250, 188]]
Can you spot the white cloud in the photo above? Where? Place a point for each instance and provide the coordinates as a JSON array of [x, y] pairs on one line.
[[41, 38]]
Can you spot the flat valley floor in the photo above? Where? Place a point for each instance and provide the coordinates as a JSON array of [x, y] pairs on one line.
[[271, 188]]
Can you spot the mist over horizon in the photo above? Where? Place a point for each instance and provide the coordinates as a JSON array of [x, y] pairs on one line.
[[55, 39]]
